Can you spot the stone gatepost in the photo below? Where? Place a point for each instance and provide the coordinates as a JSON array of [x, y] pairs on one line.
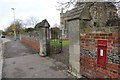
[[74, 47], [73, 18], [44, 37]]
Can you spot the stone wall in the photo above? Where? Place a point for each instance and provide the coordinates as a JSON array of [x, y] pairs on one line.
[[101, 12], [88, 55], [89, 22], [32, 42]]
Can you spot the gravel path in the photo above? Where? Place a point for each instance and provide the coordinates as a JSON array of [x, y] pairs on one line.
[[62, 57]]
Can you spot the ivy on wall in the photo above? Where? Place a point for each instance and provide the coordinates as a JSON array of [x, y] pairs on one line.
[[85, 26]]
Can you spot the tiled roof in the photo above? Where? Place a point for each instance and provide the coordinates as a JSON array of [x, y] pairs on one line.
[[77, 11]]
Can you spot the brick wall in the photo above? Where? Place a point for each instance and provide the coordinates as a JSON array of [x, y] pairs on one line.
[[88, 55], [31, 42]]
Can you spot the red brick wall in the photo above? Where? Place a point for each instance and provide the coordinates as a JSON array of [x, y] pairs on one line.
[[31, 43], [88, 58]]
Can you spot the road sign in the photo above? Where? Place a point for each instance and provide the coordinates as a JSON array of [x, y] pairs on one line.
[[13, 27]]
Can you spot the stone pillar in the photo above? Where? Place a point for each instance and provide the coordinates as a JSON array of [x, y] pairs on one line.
[[74, 47], [42, 42]]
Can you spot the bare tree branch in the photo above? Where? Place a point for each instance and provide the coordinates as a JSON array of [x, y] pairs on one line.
[[66, 5], [32, 21]]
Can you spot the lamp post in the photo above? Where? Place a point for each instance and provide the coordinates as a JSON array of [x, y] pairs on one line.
[[14, 26]]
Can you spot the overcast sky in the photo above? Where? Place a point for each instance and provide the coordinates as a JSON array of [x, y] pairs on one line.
[[42, 9], [24, 9]]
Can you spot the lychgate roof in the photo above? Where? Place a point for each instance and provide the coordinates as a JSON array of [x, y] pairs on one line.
[[42, 24], [82, 11]]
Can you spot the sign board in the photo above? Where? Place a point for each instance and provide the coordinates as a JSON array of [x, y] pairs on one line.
[[13, 27]]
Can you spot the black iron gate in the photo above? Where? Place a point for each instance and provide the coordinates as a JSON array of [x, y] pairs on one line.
[[56, 41]]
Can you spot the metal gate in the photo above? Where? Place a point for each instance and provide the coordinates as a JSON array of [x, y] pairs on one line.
[[56, 41]]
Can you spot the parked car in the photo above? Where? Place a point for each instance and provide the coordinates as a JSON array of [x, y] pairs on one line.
[[2, 36]]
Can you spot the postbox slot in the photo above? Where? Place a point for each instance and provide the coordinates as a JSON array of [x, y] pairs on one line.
[[102, 43]]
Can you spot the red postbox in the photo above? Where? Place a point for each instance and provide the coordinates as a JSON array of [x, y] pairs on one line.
[[101, 55]]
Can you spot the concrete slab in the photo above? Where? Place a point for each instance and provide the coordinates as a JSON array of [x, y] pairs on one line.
[[33, 66]]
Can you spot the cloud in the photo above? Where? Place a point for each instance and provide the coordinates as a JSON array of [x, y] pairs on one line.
[[26, 8]]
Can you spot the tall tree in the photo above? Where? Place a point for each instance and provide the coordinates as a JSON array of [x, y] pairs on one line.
[[29, 29], [32, 21], [18, 24]]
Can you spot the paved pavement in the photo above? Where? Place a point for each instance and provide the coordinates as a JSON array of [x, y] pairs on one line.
[[33, 66], [2, 41], [22, 62], [16, 49]]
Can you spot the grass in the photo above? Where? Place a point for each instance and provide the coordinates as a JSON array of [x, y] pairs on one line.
[[65, 43], [56, 42]]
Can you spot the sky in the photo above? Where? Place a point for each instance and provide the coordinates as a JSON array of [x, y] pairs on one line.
[[24, 9]]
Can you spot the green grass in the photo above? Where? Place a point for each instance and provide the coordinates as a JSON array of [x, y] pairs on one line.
[[65, 43], [56, 42]]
